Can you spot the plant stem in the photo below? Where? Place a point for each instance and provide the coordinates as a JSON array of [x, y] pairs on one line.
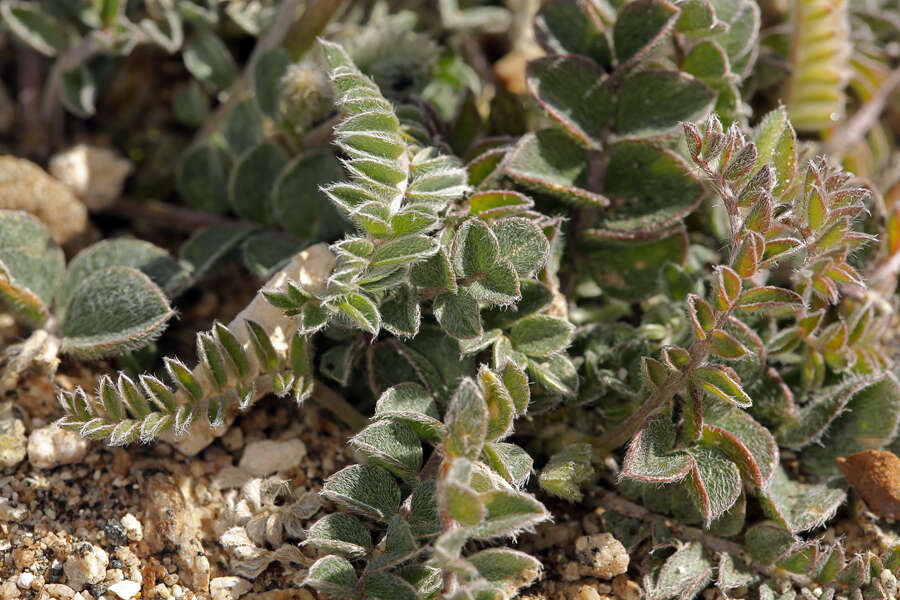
[[343, 410], [304, 32], [673, 384], [173, 217], [284, 25], [616, 503], [855, 128]]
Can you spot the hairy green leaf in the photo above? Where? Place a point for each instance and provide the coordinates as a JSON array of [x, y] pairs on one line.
[[640, 26], [651, 102], [31, 265], [340, 533], [115, 310], [570, 89], [333, 575], [551, 162], [567, 470], [541, 336], [392, 444], [366, 489], [466, 421], [458, 315]]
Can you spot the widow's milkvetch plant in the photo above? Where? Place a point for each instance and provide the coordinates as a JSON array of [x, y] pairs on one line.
[[426, 261], [714, 297]]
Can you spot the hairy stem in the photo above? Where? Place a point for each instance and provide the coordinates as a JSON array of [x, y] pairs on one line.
[[343, 410], [616, 503], [282, 25], [304, 32], [673, 384]]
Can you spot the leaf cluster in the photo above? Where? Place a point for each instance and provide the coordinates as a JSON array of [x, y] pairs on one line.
[[111, 298]]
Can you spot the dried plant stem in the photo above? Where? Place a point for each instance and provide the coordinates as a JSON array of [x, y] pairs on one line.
[[854, 129], [178, 218], [298, 34], [616, 503], [281, 24], [304, 32], [674, 383], [85, 50], [343, 410]]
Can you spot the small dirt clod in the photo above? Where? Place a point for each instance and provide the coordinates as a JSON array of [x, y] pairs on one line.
[[875, 475]]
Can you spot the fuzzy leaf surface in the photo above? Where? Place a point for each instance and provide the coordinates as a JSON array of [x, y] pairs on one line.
[[551, 162], [569, 88], [31, 265], [366, 489], [116, 310]]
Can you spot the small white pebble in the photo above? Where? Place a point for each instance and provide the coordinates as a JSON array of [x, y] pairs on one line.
[[60, 591], [268, 456], [134, 531], [24, 580], [86, 564], [125, 589], [228, 588], [9, 512], [52, 446]]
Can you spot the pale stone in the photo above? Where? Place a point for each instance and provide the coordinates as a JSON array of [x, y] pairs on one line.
[[311, 269], [268, 456], [125, 589], [26, 186], [587, 592], [134, 531], [52, 446], [60, 591], [24, 580], [228, 588], [604, 554], [86, 565], [12, 437], [95, 174], [175, 524], [9, 590], [626, 589]]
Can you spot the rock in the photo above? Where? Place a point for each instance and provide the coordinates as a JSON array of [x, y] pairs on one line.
[[228, 588], [125, 589], [234, 439], [604, 554], [60, 591], [9, 590], [25, 580], [875, 475], [175, 524], [626, 589], [134, 531], [587, 592], [95, 174], [12, 437], [26, 186], [52, 446], [86, 565], [268, 456], [115, 533]]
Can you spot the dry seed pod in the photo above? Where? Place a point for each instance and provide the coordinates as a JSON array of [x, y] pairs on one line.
[[875, 475]]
